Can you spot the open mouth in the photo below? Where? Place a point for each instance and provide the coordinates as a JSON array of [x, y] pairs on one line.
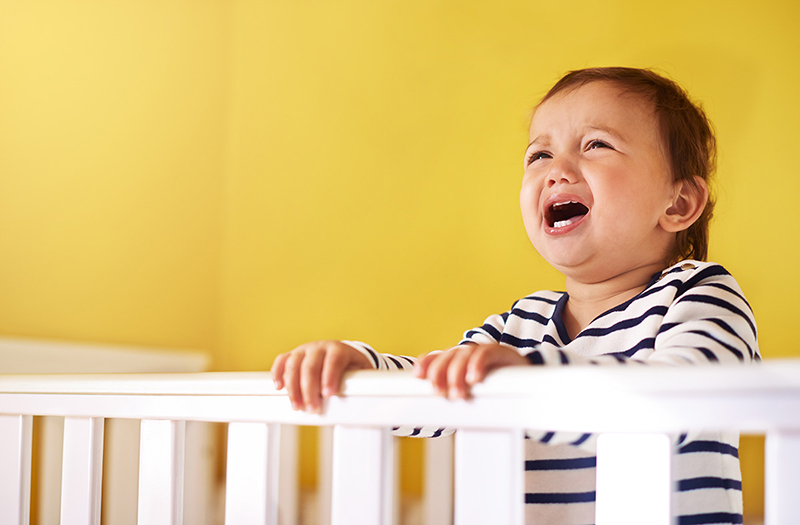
[[560, 214]]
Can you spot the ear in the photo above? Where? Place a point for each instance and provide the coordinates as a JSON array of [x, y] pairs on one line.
[[687, 205]]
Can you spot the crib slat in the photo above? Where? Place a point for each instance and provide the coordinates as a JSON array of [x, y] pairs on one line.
[[489, 477], [287, 476], [15, 473], [438, 497], [633, 479], [161, 455], [82, 471], [251, 493], [363, 476], [782, 478]]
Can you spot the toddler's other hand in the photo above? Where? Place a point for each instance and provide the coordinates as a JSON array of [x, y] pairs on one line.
[[313, 371], [453, 372]]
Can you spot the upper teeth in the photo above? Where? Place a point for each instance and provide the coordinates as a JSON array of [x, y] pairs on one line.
[[559, 204]]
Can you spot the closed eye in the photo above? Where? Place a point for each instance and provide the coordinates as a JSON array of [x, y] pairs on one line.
[[537, 155], [594, 144]]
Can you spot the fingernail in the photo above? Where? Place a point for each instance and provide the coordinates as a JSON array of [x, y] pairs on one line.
[[453, 394], [470, 377], [327, 392]]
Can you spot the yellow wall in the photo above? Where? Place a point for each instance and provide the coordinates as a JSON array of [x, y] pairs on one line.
[[112, 128], [245, 176]]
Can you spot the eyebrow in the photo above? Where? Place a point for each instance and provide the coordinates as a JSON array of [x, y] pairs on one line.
[[541, 139], [545, 138]]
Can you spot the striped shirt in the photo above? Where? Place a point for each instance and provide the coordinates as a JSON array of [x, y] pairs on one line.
[[691, 313]]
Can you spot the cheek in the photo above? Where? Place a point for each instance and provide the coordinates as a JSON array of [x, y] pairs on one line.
[[529, 195], [529, 207]]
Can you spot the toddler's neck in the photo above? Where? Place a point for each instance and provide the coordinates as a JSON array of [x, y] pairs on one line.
[[587, 300]]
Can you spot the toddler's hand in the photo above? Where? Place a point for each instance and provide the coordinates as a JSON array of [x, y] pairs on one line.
[[313, 371], [452, 372]]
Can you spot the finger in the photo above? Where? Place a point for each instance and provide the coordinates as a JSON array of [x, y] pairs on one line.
[[482, 361], [456, 372], [490, 357], [423, 362], [437, 371], [310, 378], [278, 367], [291, 378], [336, 362]]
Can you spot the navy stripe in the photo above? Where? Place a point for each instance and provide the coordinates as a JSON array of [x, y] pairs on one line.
[[725, 326], [722, 303], [730, 291], [711, 356], [625, 324], [560, 497], [550, 339], [561, 464], [558, 320], [665, 327], [735, 351], [437, 433], [542, 299], [645, 344], [624, 306], [685, 485], [709, 519], [563, 356], [581, 440], [547, 437], [374, 356], [492, 331], [531, 316], [719, 322], [535, 358], [709, 446], [393, 360], [410, 361], [519, 342], [705, 273], [682, 438], [415, 432]]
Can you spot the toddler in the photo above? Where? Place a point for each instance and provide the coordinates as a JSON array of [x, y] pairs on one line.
[[615, 197]]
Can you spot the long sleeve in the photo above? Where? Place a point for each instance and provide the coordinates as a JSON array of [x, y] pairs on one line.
[[694, 313]]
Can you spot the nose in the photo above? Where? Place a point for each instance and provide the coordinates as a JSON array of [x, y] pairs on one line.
[[562, 171]]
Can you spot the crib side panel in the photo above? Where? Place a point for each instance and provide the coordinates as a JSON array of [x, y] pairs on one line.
[[251, 492], [15, 475], [489, 481], [363, 476], [82, 471], [161, 457], [782, 481]]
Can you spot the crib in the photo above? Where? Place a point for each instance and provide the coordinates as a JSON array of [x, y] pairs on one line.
[[633, 452]]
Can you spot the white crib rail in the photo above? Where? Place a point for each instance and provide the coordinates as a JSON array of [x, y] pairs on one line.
[[758, 399]]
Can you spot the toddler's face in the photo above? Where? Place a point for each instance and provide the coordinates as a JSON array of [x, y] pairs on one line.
[[597, 183]]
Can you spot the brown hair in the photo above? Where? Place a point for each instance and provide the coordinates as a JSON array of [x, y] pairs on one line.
[[686, 131]]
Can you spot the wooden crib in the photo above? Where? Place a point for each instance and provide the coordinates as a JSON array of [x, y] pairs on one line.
[[488, 477]]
